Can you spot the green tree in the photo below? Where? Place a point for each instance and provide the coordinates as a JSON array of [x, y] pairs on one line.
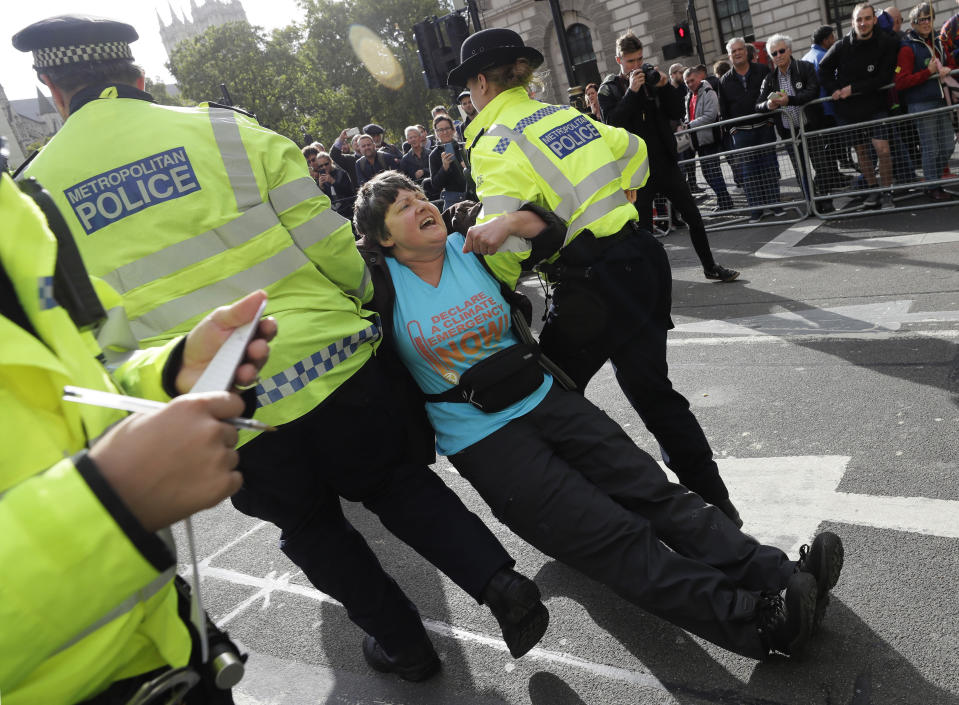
[[306, 78], [156, 88]]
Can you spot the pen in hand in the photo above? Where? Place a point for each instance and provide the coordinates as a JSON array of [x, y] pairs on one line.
[[95, 397]]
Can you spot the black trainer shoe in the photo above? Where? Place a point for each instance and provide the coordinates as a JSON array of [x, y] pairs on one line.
[[417, 664], [785, 624], [729, 509], [721, 273], [824, 562], [515, 601]]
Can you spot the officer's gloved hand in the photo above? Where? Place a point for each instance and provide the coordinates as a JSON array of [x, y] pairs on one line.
[[462, 216]]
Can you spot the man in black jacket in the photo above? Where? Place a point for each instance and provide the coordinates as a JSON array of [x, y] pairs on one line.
[[738, 96], [853, 71], [628, 101], [790, 85]]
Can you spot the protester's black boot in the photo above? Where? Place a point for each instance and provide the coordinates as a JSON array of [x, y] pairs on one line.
[[824, 562], [515, 601], [786, 623], [414, 664]]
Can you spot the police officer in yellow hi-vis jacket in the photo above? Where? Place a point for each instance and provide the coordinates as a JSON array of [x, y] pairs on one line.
[[533, 163], [88, 602], [182, 210]]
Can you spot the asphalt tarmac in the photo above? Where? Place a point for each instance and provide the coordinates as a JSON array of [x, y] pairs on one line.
[[827, 380]]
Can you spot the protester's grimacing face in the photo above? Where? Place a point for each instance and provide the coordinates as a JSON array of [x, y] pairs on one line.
[[415, 226]]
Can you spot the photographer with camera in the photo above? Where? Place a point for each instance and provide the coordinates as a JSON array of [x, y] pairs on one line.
[[641, 99], [335, 183]]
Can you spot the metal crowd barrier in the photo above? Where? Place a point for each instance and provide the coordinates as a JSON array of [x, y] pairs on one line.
[[817, 172], [842, 181], [758, 181]]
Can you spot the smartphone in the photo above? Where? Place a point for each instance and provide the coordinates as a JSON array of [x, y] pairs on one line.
[[449, 148], [352, 132]]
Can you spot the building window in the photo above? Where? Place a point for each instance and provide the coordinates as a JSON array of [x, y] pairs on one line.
[[734, 20], [839, 13], [580, 43]]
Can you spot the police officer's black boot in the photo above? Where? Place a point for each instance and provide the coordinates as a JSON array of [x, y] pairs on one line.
[[414, 664], [785, 622], [515, 601]]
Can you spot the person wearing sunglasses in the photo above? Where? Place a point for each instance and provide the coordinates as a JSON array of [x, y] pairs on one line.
[[921, 67], [791, 84]]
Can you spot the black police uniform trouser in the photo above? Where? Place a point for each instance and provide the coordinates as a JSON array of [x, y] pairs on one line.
[[622, 315], [568, 480], [667, 179], [353, 446]]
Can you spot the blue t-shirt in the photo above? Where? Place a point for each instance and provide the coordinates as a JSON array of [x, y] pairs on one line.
[[444, 330]]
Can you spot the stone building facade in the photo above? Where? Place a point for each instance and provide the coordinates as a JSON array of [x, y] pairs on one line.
[[211, 13], [25, 122], [596, 24]]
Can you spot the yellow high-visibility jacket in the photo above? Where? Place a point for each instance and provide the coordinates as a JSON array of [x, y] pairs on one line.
[[86, 594], [559, 159], [182, 210]]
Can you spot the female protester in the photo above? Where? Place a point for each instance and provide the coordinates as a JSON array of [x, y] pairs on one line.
[[613, 282], [447, 162], [921, 66], [555, 469], [592, 101]]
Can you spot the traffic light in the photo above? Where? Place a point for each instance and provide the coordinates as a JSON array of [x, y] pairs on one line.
[[438, 42], [681, 32]]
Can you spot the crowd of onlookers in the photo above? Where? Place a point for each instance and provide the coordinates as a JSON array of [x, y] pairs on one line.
[[876, 71], [435, 160], [840, 81]]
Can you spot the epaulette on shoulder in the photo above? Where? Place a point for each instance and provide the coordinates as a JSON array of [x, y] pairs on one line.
[[235, 109]]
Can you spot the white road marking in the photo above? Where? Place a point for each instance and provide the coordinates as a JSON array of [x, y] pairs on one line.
[[786, 243], [880, 317], [783, 500]]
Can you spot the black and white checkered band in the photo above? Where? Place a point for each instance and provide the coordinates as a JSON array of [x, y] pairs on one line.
[[81, 53]]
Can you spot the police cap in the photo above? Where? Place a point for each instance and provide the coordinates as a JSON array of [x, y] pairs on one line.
[[75, 39], [373, 129]]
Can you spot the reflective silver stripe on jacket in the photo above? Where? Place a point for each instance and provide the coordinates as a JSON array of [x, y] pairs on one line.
[[317, 228], [116, 339], [365, 282], [256, 217], [595, 211], [572, 195], [293, 193], [500, 204], [182, 308], [182, 254], [640, 174], [238, 168], [293, 379], [141, 595]]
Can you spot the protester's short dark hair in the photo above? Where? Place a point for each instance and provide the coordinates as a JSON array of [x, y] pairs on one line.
[[519, 73], [627, 44], [374, 199], [750, 52], [822, 34], [310, 151], [721, 67], [71, 77]]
